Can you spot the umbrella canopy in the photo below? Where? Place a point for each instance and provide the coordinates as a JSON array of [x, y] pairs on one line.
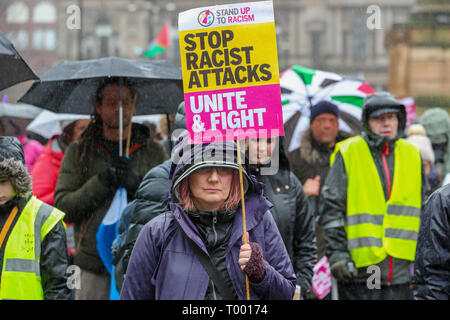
[[147, 118], [70, 86], [302, 87], [47, 123], [15, 117], [13, 69], [19, 110]]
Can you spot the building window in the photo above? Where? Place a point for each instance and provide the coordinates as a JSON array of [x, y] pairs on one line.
[[44, 39], [38, 37], [44, 12], [358, 39], [373, 37], [104, 47], [345, 45], [21, 40], [315, 46], [50, 39], [17, 13]]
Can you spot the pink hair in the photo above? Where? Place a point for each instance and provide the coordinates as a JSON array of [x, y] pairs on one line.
[[232, 201]]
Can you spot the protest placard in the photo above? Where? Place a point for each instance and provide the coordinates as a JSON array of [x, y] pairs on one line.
[[321, 283], [230, 72]]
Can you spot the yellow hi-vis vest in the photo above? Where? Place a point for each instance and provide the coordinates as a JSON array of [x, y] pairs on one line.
[[376, 228], [21, 278]]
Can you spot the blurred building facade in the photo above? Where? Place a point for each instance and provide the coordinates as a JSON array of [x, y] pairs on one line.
[[112, 27], [331, 35], [342, 36], [420, 55], [32, 26]]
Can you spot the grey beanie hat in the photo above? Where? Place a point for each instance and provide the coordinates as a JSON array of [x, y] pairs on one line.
[[12, 165], [10, 147]]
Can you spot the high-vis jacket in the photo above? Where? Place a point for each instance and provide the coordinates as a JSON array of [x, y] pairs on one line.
[[21, 278], [375, 227]]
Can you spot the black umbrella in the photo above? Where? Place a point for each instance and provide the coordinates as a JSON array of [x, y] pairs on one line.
[[13, 69], [70, 86]]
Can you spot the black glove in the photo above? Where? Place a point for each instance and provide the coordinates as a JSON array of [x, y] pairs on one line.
[[344, 270], [126, 176], [109, 178]]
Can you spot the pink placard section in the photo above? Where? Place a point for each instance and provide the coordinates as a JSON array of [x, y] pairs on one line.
[[321, 283], [234, 114]]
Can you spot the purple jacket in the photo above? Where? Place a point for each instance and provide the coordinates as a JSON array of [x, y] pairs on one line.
[[163, 266]]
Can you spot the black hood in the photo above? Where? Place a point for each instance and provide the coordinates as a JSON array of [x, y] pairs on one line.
[[376, 102], [180, 117]]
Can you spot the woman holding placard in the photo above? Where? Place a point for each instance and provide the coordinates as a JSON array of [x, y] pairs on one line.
[[195, 251]]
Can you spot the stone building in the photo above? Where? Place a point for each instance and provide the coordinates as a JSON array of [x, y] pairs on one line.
[[31, 25], [420, 55], [333, 35], [343, 36]]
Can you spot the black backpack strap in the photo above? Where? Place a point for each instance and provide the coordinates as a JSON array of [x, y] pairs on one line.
[[210, 269]]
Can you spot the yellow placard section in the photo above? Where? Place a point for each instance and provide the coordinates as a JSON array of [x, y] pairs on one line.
[[229, 57]]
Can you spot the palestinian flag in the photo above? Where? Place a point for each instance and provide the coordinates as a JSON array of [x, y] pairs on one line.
[[299, 85], [303, 87], [348, 95], [160, 44]]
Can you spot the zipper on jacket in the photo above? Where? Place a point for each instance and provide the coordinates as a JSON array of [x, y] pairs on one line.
[[384, 153], [389, 281], [214, 221]]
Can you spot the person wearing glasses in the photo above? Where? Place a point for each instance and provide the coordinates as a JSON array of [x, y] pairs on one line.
[[371, 203]]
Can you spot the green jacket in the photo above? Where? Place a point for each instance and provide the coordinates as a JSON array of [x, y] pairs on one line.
[[437, 125], [85, 199]]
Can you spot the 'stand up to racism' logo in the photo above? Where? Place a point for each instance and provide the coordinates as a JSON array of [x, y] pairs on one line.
[[206, 18]]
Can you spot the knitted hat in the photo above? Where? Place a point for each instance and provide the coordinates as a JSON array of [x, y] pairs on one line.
[[10, 147], [323, 107], [12, 165], [424, 146], [416, 129]]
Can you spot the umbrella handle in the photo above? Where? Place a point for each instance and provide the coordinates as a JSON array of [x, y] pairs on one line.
[[133, 104]]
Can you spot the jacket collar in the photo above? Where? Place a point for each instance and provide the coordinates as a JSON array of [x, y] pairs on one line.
[[378, 142], [311, 150]]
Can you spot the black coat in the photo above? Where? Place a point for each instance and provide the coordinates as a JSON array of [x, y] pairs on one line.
[[310, 160], [294, 219], [432, 265], [151, 200]]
